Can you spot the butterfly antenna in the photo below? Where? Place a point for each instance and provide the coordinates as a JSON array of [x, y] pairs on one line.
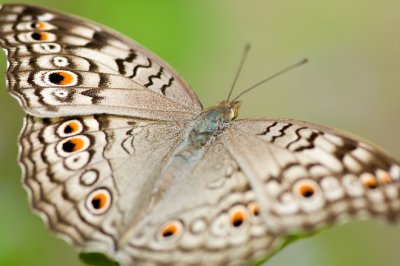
[[244, 56], [302, 62]]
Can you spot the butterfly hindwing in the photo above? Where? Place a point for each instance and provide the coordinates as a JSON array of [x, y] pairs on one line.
[[59, 63], [209, 217], [85, 175]]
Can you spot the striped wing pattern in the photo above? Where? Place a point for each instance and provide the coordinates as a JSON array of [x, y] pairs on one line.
[[58, 64]]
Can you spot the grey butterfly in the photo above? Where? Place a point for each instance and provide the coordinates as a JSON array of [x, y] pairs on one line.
[[120, 158]]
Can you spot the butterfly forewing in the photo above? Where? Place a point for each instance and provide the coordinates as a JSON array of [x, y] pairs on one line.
[[60, 63]]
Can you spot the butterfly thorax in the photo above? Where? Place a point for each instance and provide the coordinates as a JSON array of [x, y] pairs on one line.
[[213, 120]]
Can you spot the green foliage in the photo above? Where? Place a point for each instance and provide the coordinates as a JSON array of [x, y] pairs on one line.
[[288, 240], [97, 259]]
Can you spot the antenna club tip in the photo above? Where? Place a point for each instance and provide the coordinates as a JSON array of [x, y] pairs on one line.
[[247, 46], [305, 60]]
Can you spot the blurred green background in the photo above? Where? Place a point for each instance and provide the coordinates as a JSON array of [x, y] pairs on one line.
[[352, 82]]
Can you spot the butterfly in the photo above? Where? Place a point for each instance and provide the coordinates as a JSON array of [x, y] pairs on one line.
[[120, 158]]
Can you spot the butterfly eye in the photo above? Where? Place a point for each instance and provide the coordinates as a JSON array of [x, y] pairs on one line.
[[99, 201], [369, 181], [61, 78], [234, 110], [171, 230]]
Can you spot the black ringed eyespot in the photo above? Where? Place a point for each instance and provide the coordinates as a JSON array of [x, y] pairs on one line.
[[170, 230], [99, 201], [369, 181], [61, 78], [238, 216], [254, 208], [39, 36], [70, 128], [39, 25], [73, 145], [306, 189]]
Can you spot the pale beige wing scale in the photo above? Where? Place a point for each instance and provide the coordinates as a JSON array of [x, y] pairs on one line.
[[306, 177], [87, 176], [63, 66]]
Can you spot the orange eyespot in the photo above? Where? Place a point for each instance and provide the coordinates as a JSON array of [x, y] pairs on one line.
[[384, 177], [99, 201], [169, 230], [61, 78], [306, 191], [237, 218], [73, 144], [369, 181], [71, 128], [40, 36], [38, 25], [254, 209]]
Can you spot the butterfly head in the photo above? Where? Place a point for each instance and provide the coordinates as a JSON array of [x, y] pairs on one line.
[[233, 108], [230, 109]]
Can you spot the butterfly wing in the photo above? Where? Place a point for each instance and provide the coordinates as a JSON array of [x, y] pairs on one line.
[[61, 65], [90, 177], [307, 177], [208, 217]]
